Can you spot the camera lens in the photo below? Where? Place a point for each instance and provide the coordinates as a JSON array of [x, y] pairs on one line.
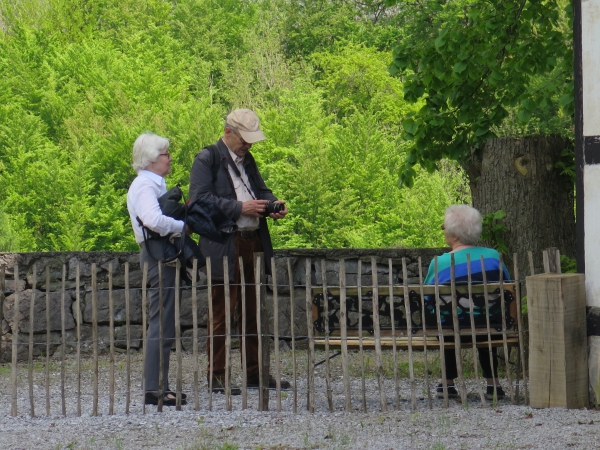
[[274, 208]]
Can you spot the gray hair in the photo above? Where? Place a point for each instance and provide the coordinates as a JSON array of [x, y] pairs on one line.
[[463, 222], [146, 149]]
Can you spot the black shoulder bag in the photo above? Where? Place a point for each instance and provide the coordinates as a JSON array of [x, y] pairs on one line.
[[170, 206]]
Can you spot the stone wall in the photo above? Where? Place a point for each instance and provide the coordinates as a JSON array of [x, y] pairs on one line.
[[28, 288]]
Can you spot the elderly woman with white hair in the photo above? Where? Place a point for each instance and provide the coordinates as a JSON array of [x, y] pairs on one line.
[[462, 231], [152, 162]]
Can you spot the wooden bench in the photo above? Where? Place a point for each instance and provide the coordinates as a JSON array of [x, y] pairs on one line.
[[420, 335]]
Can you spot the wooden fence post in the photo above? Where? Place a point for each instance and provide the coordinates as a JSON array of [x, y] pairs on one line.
[[310, 355], [31, 319], [377, 336], [558, 369], [293, 337], [343, 335], [15, 342], [264, 341]]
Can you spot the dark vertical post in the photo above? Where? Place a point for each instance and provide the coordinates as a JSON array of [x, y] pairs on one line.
[[579, 139]]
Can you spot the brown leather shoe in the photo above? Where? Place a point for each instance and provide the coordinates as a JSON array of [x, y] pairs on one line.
[[253, 382]]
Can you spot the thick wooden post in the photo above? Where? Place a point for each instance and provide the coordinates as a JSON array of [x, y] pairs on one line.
[[558, 369]]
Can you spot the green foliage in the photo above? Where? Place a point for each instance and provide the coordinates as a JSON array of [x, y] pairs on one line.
[[9, 240], [79, 81], [493, 230], [568, 265], [474, 64], [566, 164]]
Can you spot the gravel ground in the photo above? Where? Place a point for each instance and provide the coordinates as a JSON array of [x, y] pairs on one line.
[[470, 426]]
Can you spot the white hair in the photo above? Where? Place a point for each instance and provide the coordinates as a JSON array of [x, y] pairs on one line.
[[146, 149], [463, 222]]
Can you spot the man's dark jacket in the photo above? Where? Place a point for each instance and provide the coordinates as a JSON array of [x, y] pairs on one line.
[[221, 191]]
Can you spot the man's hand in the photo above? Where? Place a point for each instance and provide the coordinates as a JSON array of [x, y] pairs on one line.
[[254, 208], [281, 214]]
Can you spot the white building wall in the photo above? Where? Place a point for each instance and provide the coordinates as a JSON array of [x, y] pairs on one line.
[[590, 46]]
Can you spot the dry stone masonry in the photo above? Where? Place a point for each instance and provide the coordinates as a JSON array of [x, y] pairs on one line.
[[105, 261]]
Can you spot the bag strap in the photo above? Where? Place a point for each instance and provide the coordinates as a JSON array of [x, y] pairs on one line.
[[148, 234], [215, 160]]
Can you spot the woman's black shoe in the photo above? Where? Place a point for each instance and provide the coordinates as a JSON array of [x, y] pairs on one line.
[[169, 399], [452, 392]]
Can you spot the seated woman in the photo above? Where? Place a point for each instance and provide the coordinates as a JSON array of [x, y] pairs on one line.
[[152, 162], [462, 230]]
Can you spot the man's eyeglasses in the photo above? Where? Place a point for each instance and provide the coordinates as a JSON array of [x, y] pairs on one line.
[[240, 136], [167, 154]]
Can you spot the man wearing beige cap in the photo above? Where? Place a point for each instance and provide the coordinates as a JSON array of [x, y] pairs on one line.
[[226, 173]]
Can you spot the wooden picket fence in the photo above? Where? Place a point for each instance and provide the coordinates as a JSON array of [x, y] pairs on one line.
[[358, 338]]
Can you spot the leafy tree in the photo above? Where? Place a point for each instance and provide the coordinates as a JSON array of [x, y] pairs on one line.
[[470, 61], [484, 69]]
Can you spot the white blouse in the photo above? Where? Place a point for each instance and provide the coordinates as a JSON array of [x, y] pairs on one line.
[[142, 202]]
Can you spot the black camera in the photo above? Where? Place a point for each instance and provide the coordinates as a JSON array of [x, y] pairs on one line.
[[273, 208]]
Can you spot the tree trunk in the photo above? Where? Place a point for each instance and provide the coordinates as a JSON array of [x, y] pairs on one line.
[[519, 177]]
